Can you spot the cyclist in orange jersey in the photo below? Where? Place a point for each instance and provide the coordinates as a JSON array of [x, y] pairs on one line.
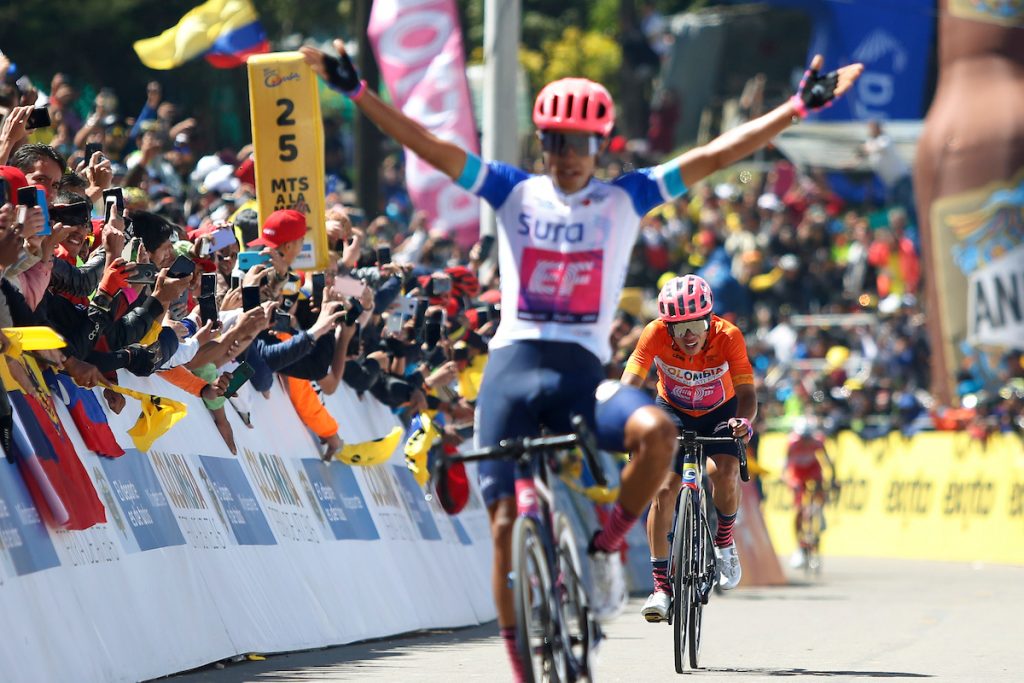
[[705, 384]]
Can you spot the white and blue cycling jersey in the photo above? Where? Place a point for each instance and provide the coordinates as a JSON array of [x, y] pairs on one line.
[[563, 257]]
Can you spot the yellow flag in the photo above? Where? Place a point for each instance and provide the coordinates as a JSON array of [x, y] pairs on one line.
[[195, 33]]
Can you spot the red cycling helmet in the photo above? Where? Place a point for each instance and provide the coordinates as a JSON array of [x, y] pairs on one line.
[[685, 298], [574, 105]]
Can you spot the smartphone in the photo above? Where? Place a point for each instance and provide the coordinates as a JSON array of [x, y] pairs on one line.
[[130, 253], [421, 311], [353, 310], [222, 238], [282, 321], [33, 195], [91, 149], [486, 244], [208, 284], [250, 298], [383, 255], [145, 274], [406, 306], [394, 323], [236, 282], [76, 213], [439, 286], [319, 282], [208, 308], [349, 286], [432, 334], [460, 352], [118, 196], [39, 118], [183, 266], [5, 198], [248, 259], [242, 374]]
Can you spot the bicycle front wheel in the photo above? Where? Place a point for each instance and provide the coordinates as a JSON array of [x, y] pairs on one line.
[[705, 576], [536, 637], [578, 625], [682, 595]]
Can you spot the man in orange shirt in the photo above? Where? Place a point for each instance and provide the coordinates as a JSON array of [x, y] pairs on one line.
[[705, 384]]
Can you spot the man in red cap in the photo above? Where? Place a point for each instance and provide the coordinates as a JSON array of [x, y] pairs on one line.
[[282, 235]]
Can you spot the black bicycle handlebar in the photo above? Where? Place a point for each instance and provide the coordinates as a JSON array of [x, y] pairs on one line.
[[690, 437], [517, 448]]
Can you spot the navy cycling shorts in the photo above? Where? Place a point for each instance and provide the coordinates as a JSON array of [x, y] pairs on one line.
[[533, 384], [714, 423]]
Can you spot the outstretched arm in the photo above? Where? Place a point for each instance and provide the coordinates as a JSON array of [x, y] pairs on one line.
[[340, 74], [816, 91]]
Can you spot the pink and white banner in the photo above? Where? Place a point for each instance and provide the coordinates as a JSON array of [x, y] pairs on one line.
[[418, 44]]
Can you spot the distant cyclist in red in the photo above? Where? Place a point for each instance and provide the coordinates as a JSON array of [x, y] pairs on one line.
[[803, 466]]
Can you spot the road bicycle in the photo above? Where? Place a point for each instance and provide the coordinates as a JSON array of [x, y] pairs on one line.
[[693, 569], [811, 516], [556, 632]]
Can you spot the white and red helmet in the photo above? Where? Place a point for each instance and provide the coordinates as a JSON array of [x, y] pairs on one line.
[[574, 105], [685, 298]]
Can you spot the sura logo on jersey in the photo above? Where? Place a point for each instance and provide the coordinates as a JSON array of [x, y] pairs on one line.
[[548, 231], [559, 287]]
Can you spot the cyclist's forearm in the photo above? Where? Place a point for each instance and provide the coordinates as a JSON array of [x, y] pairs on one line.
[[441, 154], [746, 401], [734, 145], [630, 379]]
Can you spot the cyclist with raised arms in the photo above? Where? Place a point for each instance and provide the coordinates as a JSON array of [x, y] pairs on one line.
[[705, 384], [565, 239]]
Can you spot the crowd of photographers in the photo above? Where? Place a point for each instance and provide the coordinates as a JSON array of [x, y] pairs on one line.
[[148, 261]]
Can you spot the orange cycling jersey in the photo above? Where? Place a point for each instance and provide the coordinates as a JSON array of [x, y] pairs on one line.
[[694, 384]]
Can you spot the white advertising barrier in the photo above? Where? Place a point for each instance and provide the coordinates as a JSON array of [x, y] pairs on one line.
[[205, 555]]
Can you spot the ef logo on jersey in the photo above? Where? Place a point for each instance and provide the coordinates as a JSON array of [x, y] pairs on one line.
[[560, 287]]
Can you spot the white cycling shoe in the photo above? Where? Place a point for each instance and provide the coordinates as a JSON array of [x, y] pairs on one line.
[[608, 597], [799, 559], [729, 570], [656, 607]]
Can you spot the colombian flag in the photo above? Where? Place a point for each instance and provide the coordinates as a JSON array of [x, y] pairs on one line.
[[224, 31]]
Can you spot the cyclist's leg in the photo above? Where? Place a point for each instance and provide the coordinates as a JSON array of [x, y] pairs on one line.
[[505, 410], [623, 419], [659, 518]]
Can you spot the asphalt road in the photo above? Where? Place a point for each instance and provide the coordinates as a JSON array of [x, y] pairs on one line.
[[861, 620]]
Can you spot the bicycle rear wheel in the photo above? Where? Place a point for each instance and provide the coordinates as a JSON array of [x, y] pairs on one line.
[[682, 544], [705, 576], [536, 635], [578, 625]]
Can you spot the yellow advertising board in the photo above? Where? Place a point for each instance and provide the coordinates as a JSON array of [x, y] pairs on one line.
[[288, 142], [936, 496]]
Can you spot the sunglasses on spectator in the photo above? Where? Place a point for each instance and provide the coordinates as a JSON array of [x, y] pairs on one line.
[[583, 144], [697, 327]]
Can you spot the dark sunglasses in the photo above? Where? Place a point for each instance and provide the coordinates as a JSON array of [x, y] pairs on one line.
[[697, 327], [583, 144]]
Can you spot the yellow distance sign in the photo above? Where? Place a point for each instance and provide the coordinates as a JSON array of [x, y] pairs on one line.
[[288, 142]]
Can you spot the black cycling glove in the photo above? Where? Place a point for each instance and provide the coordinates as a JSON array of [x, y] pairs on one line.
[[342, 75]]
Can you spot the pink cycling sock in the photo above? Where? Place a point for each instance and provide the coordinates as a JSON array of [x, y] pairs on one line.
[[659, 570], [509, 636], [724, 535], [609, 539]]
